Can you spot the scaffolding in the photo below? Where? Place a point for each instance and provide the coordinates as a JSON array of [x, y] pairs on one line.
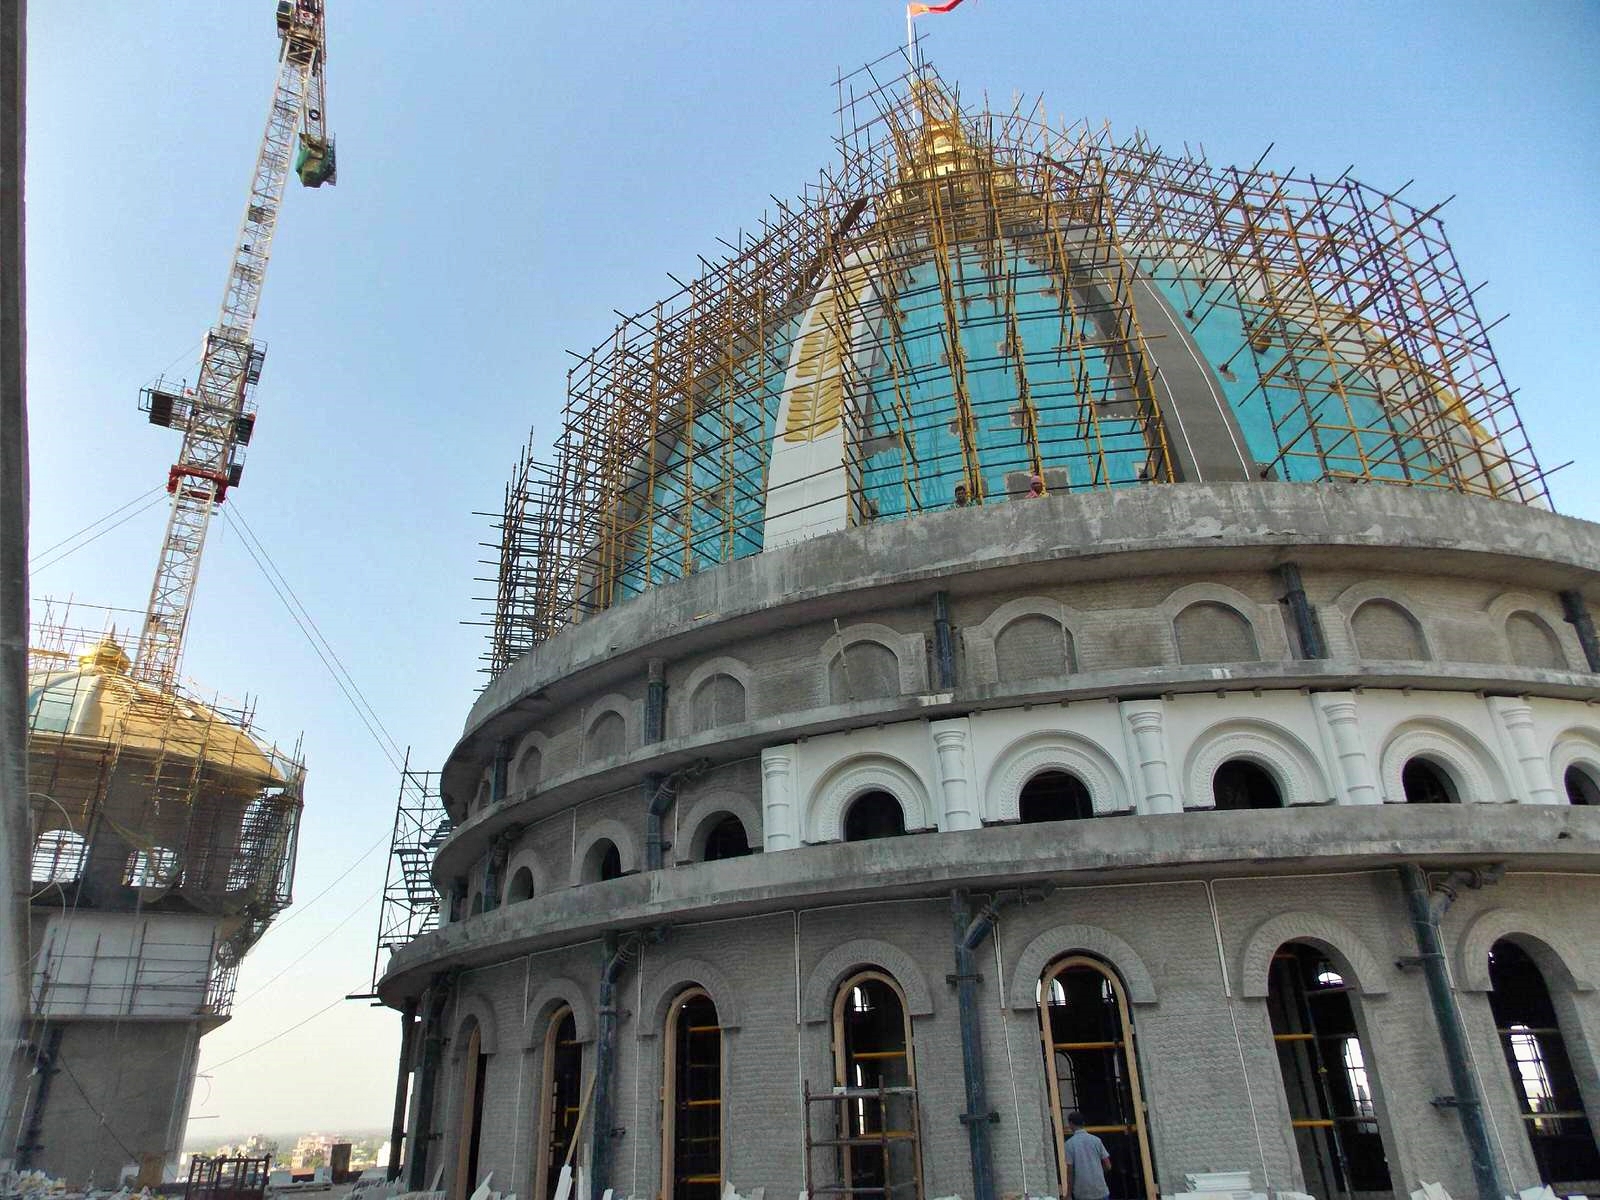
[[957, 302], [148, 799], [411, 904]]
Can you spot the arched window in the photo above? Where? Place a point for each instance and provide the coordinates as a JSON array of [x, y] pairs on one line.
[[1384, 630], [474, 1071], [561, 1101], [873, 815], [1327, 1074], [1033, 647], [155, 867], [873, 1062], [521, 886], [1240, 784], [1054, 796], [1209, 632], [58, 856], [50, 707], [1553, 1114], [529, 765], [691, 1111], [1091, 1067], [602, 862], [1581, 786], [608, 737], [726, 839], [718, 701], [865, 671], [1533, 644], [1425, 783]]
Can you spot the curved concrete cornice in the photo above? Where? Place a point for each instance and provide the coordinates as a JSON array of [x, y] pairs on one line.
[[1112, 849]]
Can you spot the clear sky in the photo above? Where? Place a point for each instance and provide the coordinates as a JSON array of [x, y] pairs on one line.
[[510, 172]]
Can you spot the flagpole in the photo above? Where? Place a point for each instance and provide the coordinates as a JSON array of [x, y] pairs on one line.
[[911, 41]]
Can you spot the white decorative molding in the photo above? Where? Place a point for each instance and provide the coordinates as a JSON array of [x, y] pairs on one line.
[[531, 858], [843, 961], [552, 994], [1469, 764], [1340, 718], [1293, 767], [1047, 750], [908, 649], [1061, 940], [1143, 723], [870, 772], [780, 813], [678, 976], [952, 753], [1577, 746], [681, 715], [1350, 954], [695, 823], [474, 1006], [1560, 961], [617, 834], [1514, 717]]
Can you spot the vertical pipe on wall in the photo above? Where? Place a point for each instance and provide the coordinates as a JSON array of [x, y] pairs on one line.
[[1576, 612], [944, 651], [970, 932], [397, 1126], [1427, 908], [616, 952], [1307, 629]]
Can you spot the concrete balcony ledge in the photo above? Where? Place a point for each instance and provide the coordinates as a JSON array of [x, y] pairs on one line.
[[1105, 850]]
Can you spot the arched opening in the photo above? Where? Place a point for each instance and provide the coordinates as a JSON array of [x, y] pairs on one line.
[[1091, 1067], [717, 702], [691, 1111], [1327, 1076], [873, 1063], [726, 839], [866, 670], [1209, 632], [58, 857], [474, 1071], [1384, 630], [1423, 782], [602, 862], [1054, 796], [155, 867], [478, 903], [1032, 647], [608, 738], [1533, 643], [873, 815], [562, 1100], [1241, 784], [1553, 1114], [1581, 786], [521, 886], [529, 766]]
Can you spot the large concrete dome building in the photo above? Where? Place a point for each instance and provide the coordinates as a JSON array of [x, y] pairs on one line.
[[1043, 626]]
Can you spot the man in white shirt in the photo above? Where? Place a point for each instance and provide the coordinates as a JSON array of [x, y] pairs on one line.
[[1087, 1161]]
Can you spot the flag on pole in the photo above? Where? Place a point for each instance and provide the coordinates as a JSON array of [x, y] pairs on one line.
[[916, 10]]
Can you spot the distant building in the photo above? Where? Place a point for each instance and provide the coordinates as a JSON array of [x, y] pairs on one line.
[[1045, 624]]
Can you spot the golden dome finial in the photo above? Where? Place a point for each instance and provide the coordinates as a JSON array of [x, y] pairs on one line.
[[106, 657]]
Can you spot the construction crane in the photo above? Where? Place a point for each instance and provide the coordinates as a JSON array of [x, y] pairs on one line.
[[217, 415]]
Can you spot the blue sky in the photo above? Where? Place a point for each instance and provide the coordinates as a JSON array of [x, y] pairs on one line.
[[509, 174]]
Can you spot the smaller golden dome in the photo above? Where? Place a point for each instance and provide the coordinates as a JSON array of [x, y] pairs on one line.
[[106, 658]]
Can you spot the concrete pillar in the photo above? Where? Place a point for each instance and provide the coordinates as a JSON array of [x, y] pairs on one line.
[[950, 740], [780, 818], [1143, 723], [1514, 718], [1341, 722]]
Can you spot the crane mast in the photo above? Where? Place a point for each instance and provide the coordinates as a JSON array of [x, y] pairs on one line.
[[217, 416]]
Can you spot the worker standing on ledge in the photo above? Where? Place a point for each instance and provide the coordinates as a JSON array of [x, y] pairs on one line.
[[1087, 1161]]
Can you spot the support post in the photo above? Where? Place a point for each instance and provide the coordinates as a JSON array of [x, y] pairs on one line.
[[1576, 612], [1427, 908], [944, 651], [397, 1126], [427, 1083], [1307, 629]]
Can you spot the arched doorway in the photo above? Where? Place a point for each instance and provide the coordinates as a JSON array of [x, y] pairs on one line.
[[1425, 783], [1091, 1067], [1327, 1074], [1553, 1113], [873, 815], [726, 839], [691, 1111], [1241, 784], [561, 1100], [474, 1071], [1054, 796], [882, 1154]]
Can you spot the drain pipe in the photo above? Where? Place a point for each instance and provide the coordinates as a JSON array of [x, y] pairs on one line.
[[397, 1127], [1308, 631], [1576, 613], [970, 933], [944, 649], [1427, 909], [427, 1083], [618, 952]]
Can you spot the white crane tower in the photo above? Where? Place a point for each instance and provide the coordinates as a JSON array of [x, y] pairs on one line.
[[217, 416]]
